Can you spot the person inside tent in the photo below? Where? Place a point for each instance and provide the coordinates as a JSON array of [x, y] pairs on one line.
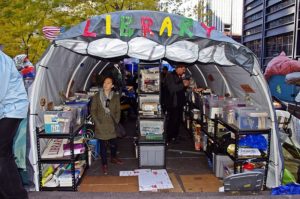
[[13, 108], [163, 76], [130, 92], [175, 100], [105, 111]]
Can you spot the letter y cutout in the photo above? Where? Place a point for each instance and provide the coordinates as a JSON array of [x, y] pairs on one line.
[[207, 29]]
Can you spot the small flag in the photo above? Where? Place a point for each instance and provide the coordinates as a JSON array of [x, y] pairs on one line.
[[51, 32]]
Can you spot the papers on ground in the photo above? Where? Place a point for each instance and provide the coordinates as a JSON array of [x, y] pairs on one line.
[[150, 180]]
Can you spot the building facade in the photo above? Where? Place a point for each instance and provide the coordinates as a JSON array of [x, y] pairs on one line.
[[270, 27], [225, 15]]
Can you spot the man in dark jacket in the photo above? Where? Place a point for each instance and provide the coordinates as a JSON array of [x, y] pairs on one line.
[[175, 100], [163, 76]]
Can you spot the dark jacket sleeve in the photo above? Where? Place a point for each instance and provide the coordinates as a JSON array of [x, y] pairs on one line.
[[174, 84]]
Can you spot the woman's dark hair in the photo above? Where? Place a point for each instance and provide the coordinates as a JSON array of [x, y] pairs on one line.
[[108, 77], [112, 79]]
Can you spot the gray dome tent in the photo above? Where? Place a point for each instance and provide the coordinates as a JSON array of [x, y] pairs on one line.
[[215, 61]]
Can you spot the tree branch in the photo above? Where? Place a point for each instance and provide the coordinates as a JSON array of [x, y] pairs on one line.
[[122, 5]]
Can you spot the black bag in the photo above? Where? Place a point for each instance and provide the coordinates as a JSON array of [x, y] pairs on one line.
[[120, 130]]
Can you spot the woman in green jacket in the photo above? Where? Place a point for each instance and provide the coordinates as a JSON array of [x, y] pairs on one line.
[[106, 108]]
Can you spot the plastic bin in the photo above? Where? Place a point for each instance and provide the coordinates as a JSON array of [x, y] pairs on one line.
[[154, 127], [82, 111], [149, 103], [214, 106], [219, 162], [250, 118], [151, 155], [59, 121]]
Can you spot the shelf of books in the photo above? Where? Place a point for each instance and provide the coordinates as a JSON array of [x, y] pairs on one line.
[[233, 132], [62, 164], [62, 177], [62, 151], [152, 144]]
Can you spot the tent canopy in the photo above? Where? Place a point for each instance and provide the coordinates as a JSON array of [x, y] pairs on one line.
[[214, 60]]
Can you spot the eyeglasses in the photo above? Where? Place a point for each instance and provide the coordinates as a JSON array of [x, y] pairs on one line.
[[107, 103]]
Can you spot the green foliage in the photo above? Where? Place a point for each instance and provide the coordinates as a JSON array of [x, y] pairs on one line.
[[21, 21], [204, 12], [200, 10]]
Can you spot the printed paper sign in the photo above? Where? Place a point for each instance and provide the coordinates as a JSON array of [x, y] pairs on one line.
[[247, 88]]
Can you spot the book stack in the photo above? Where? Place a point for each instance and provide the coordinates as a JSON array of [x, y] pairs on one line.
[[54, 148], [78, 149], [65, 178]]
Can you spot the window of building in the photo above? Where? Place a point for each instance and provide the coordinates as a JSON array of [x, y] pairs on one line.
[[253, 17], [254, 30], [227, 27], [280, 21], [255, 46], [282, 4], [275, 45], [253, 4]]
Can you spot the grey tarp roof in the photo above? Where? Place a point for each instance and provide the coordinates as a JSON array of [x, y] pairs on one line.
[[234, 52], [217, 62]]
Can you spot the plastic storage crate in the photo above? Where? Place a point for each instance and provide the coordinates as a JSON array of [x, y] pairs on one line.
[[152, 154], [219, 161], [280, 89], [59, 121], [149, 104], [250, 118], [151, 127]]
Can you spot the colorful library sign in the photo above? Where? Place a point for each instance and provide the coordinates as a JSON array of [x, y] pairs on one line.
[[146, 24]]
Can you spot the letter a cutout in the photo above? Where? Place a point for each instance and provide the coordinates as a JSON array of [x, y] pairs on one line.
[[167, 23]]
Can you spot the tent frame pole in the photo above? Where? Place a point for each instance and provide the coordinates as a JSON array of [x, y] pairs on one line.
[[91, 72], [32, 119]]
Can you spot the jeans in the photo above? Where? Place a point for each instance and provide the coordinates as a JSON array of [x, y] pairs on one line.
[[103, 149], [10, 184]]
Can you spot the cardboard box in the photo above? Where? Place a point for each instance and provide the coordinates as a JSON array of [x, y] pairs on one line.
[[200, 183], [109, 184]]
